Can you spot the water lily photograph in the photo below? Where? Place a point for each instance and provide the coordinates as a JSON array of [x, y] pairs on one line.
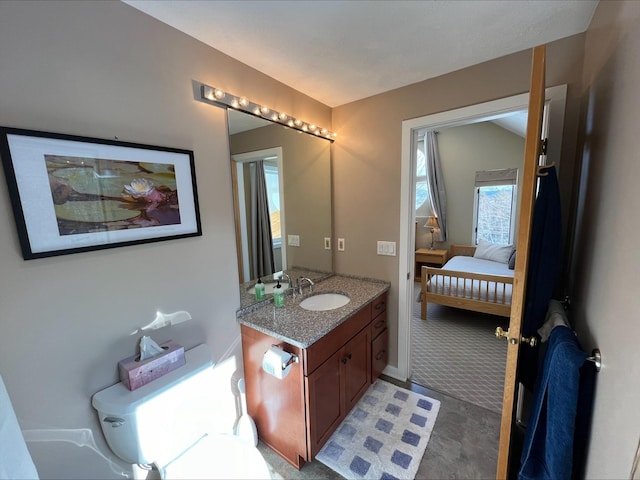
[[72, 194], [91, 195]]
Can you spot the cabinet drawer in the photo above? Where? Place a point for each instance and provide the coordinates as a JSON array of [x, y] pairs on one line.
[[379, 354], [379, 324], [379, 305]]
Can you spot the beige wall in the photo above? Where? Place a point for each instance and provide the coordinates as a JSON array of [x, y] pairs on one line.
[[366, 161], [605, 295], [103, 69]]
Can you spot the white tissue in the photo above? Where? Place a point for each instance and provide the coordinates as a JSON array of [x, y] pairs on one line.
[[276, 362], [149, 348]]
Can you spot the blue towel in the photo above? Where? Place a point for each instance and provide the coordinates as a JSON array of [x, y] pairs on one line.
[[548, 442]]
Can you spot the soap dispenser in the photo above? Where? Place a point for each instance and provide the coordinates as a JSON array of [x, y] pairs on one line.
[[259, 289], [278, 295]]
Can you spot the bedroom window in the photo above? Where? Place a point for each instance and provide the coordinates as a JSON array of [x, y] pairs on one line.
[[494, 211]]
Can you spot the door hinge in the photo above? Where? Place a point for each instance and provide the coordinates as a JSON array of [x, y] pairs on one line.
[[543, 146]]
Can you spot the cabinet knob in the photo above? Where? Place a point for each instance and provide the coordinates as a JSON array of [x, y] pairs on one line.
[[381, 354], [346, 359]]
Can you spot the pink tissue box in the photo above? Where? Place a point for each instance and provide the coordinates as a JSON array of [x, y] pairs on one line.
[[135, 373]]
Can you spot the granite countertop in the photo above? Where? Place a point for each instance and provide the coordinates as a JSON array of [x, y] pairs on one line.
[[297, 326], [248, 300]]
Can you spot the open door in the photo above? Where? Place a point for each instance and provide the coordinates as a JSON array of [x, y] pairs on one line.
[[533, 150]]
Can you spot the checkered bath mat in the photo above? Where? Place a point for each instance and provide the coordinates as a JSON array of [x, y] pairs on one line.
[[384, 436]]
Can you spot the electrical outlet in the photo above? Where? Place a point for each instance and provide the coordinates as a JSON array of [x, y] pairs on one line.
[[327, 243], [341, 244]]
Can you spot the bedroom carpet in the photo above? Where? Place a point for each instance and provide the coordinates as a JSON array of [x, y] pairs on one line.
[[384, 436], [455, 352]]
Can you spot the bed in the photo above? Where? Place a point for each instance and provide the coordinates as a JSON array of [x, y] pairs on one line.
[[470, 283]]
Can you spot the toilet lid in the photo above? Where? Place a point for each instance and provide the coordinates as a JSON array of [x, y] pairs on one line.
[[219, 457]]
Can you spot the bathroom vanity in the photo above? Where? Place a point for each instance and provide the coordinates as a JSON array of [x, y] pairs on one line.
[[340, 353]]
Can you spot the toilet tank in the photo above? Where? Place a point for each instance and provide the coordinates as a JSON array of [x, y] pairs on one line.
[[160, 420]]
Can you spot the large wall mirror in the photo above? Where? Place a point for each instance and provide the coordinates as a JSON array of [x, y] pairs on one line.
[[282, 200]]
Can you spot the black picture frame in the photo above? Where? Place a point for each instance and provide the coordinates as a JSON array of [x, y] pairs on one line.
[[74, 194]]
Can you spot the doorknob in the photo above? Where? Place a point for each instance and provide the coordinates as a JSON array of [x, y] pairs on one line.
[[501, 333]]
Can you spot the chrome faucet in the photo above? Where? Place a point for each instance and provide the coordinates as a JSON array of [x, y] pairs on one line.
[[291, 289], [300, 284], [285, 275]]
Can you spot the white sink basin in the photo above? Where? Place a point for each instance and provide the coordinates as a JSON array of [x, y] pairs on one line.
[[324, 301], [268, 288]]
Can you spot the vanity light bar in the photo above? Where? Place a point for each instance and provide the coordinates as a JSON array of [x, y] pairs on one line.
[[244, 105]]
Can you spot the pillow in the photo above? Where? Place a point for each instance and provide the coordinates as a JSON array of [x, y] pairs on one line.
[[512, 261], [493, 252]]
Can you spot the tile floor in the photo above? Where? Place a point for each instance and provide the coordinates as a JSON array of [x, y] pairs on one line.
[[463, 445]]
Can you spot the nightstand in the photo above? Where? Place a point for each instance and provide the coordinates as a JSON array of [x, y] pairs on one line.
[[430, 258]]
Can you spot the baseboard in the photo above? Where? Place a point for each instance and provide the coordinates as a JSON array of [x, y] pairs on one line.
[[393, 372]]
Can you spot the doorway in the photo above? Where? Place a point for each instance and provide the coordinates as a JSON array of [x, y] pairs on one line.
[[554, 118]]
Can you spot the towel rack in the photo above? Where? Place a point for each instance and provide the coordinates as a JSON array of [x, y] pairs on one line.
[[539, 171], [596, 358]]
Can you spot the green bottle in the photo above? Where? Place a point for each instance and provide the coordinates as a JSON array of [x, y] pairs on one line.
[[278, 295], [259, 289]]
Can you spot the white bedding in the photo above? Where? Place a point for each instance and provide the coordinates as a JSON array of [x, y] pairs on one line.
[[477, 265], [476, 290]]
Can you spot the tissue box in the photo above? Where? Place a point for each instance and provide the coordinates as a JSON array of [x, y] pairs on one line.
[[135, 373]]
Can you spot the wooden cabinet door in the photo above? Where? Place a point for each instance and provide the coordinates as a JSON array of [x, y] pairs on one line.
[[356, 367], [325, 402], [379, 354]]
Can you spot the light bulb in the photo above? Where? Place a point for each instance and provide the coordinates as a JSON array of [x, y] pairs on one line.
[[264, 110], [244, 102], [291, 123], [235, 103], [298, 123], [218, 94], [256, 110], [324, 131], [312, 127], [283, 116]]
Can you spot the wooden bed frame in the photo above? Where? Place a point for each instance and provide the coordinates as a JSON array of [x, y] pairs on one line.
[[491, 297]]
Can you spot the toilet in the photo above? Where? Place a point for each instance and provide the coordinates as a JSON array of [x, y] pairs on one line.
[[169, 424]]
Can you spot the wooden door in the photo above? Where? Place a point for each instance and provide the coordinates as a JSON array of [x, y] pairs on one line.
[[533, 148]]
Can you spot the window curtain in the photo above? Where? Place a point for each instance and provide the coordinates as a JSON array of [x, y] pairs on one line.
[[261, 238], [435, 184]]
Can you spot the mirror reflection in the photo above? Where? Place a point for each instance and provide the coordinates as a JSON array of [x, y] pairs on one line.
[[282, 201]]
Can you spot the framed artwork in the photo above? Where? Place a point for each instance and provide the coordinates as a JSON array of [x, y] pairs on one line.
[[74, 194]]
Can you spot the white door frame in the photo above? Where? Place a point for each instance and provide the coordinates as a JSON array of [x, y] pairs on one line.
[[461, 116]]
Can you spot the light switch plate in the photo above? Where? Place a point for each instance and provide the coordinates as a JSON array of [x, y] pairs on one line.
[[341, 244], [327, 243], [293, 240], [387, 248]]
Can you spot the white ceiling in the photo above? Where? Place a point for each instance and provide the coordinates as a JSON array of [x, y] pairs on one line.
[[340, 51]]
